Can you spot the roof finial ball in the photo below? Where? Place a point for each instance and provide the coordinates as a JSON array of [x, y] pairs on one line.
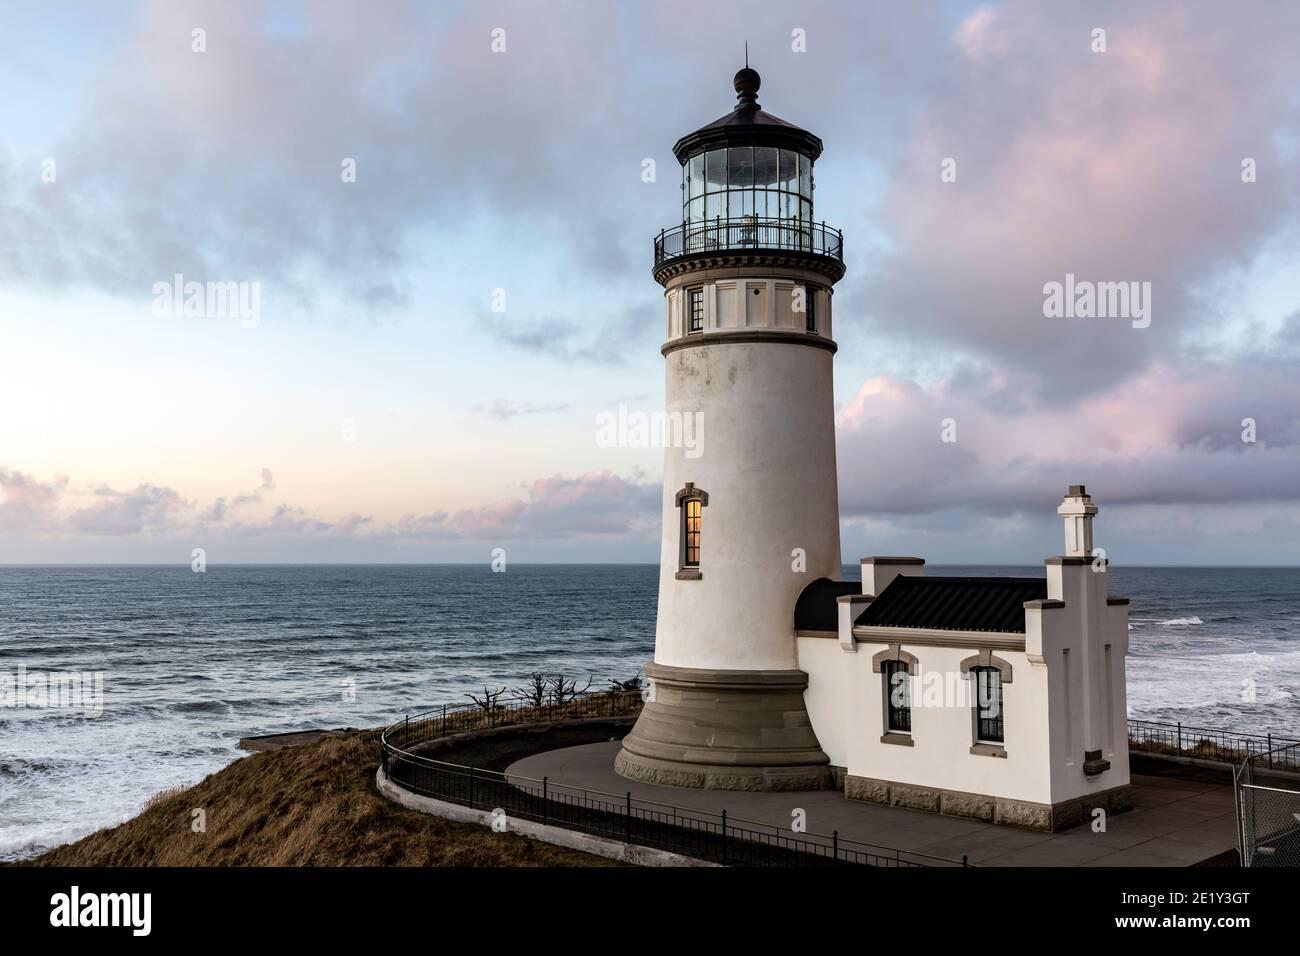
[[747, 82]]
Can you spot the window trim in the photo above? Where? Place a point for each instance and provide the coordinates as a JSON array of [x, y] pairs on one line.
[[691, 298], [894, 653]]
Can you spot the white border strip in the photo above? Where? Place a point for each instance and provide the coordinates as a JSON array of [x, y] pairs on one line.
[[558, 836]]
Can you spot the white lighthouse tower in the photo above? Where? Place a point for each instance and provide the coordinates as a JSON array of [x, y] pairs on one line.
[[750, 514]]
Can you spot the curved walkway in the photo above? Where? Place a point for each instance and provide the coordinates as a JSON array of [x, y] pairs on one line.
[[1177, 819]]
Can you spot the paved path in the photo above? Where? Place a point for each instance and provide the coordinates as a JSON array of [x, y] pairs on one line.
[[1175, 820]]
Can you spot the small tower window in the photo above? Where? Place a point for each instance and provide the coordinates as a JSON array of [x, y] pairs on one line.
[[988, 704], [691, 515], [898, 697], [691, 501], [695, 309], [810, 308]]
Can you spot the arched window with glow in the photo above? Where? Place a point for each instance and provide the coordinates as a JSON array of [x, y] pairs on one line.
[[691, 514], [691, 501]]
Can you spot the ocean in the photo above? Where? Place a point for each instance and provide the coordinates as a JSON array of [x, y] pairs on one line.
[[192, 662]]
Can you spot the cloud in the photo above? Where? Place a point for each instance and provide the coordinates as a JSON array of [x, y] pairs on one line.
[[611, 337], [146, 507], [28, 504], [503, 409], [597, 503], [1170, 435], [1115, 166]]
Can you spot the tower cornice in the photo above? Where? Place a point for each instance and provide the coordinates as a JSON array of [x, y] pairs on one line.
[[829, 267]]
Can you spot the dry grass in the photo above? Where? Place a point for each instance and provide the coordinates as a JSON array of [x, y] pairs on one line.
[[314, 805]]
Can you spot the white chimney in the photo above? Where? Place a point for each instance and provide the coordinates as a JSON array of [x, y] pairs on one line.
[[1078, 510]]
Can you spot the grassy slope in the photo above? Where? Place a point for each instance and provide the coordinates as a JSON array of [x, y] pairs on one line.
[[314, 805]]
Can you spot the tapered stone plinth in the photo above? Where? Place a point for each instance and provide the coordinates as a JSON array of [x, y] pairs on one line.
[[725, 730]]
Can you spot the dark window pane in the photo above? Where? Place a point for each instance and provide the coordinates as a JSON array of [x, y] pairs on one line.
[[695, 310], [715, 169], [988, 704], [695, 176], [735, 203], [898, 697], [765, 173], [740, 167], [715, 205], [789, 170]]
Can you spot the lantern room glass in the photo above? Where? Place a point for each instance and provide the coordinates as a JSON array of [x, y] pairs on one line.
[[758, 184]]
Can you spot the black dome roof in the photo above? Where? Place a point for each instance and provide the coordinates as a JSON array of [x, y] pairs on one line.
[[748, 125]]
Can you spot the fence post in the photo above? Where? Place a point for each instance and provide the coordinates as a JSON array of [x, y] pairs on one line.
[[406, 733], [545, 798], [1180, 736], [628, 825], [963, 860], [724, 837], [1270, 750], [835, 845], [444, 721], [471, 788]]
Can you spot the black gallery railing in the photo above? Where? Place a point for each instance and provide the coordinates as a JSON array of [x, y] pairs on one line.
[[749, 233], [699, 834]]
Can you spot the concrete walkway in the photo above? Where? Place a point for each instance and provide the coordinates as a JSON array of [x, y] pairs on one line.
[[1176, 820]]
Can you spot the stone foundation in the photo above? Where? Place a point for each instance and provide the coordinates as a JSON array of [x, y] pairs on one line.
[[725, 730], [975, 806]]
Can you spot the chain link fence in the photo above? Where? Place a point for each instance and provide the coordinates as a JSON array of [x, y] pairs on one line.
[[1268, 809]]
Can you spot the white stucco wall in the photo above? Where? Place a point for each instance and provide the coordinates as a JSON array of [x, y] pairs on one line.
[[768, 466], [1066, 697], [1089, 708], [943, 729], [831, 686]]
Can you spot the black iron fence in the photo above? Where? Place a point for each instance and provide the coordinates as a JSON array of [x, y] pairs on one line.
[[749, 233], [450, 719], [700, 834], [1220, 746], [716, 836]]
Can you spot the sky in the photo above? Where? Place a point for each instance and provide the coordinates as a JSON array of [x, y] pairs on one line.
[[435, 340]]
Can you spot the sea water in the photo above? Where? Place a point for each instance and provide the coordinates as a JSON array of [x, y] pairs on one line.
[[192, 662]]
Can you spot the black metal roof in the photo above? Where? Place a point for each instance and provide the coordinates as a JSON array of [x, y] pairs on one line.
[[954, 603], [816, 608], [748, 125]]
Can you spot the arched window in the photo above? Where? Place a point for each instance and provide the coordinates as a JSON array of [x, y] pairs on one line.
[[691, 533], [691, 501], [988, 704], [898, 697]]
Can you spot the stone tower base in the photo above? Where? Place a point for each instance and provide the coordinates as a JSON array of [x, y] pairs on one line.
[[725, 730]]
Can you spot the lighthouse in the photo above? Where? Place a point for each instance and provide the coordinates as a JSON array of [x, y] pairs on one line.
[[751, 513]]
